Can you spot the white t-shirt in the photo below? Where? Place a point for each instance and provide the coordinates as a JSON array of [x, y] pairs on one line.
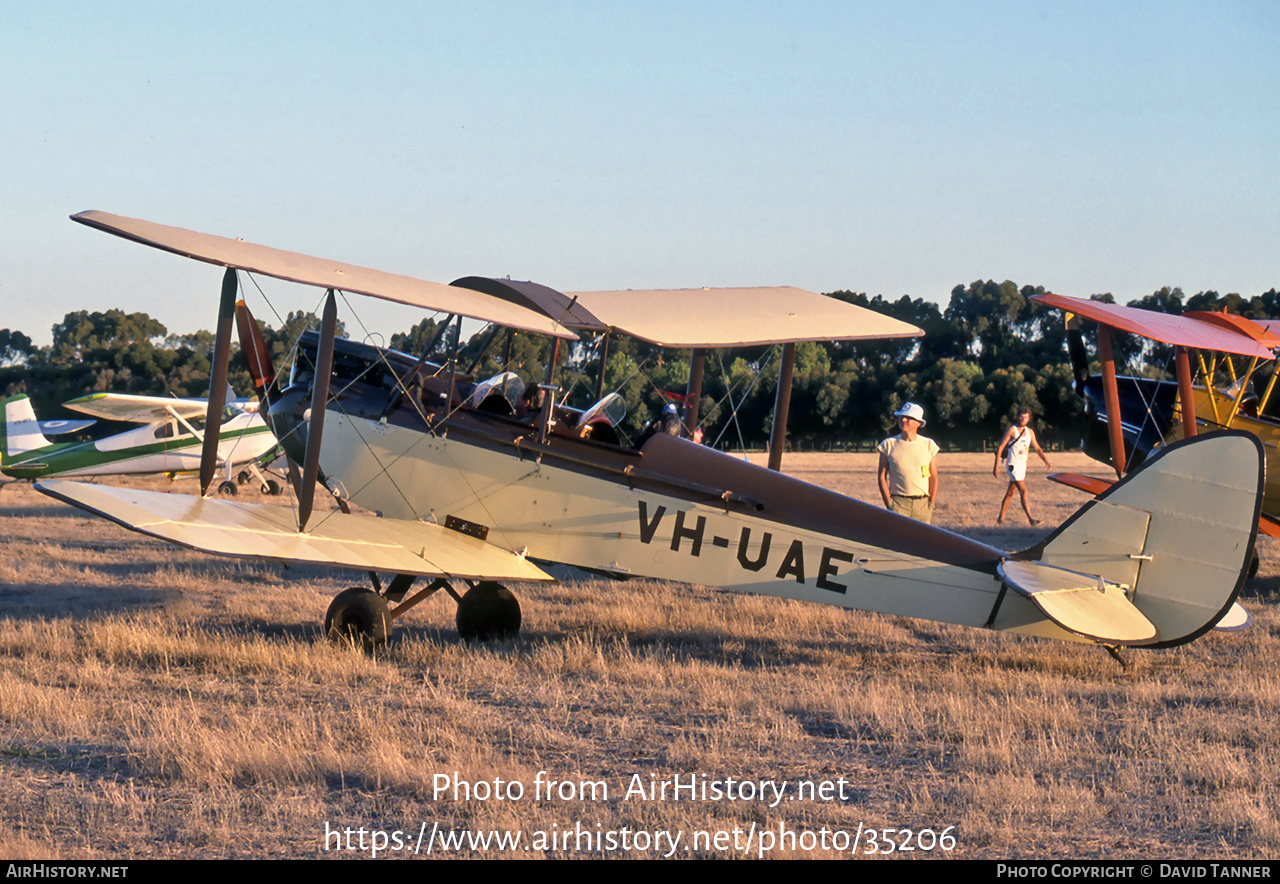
[[909, 464]]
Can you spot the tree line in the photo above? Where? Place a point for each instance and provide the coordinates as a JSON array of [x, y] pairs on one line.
[[988, 351]]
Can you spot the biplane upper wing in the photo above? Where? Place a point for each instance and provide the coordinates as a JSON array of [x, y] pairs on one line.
[[264, 531], [294, 267], [136, 409], [702, 318], [1259, 330], [1181, 331], [738, 317]]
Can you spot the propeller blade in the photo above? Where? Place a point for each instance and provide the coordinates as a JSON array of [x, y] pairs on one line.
[[319, 398], [255, 353], [218, 381]]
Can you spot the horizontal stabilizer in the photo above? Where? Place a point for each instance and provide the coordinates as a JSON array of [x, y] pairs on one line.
[[62, 428], [1235, 618], [367, 543], [1082, 603]]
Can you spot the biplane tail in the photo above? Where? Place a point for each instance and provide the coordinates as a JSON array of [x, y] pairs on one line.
[[20, 431], [1159, 558]]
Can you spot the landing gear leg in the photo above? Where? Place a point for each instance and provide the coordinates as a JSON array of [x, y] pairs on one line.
[[488, 611]]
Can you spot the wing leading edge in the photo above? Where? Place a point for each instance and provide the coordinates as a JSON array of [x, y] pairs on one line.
[[136, 409], [305, 269], [366, 543]]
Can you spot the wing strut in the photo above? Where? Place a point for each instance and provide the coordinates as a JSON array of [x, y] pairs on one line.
[[218, 381], [693, 390], [1185, 394], [319, 398], [1111, 394], [781, 406]]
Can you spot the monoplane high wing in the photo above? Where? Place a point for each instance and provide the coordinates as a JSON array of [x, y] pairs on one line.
[[137, 409], [264, 531], [294, 267]]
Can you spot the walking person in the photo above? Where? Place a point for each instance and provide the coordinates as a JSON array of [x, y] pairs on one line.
[[908, 473], [1014, 447]]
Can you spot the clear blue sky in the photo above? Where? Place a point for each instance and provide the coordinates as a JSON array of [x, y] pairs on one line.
[[886, 148]]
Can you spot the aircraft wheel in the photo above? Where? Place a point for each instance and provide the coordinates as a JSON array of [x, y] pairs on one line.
[[270, 487], [228, 488], [359, 616], [243, 477], [488, 611]]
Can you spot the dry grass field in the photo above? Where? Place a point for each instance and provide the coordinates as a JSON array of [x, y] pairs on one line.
[[156, 702]]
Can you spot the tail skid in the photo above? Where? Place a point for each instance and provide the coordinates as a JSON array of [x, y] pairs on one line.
[[1175, 536]]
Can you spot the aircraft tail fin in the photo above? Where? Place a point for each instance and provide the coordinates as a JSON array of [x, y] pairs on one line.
[[1176, 536], [20, 431]]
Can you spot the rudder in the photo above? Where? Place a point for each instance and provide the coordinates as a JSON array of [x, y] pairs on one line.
[[20, 431]]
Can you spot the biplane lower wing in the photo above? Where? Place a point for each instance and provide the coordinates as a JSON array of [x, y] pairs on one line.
[[263, 531], [1087, 484]]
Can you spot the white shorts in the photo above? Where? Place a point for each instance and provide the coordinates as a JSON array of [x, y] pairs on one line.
[[1017, 471]]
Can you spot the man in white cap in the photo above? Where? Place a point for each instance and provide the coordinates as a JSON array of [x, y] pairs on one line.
[[909, 467]]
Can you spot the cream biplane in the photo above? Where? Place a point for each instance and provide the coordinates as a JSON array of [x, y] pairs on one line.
[[474, 486]]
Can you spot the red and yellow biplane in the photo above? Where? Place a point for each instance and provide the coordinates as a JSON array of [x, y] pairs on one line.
[[1152, 412]]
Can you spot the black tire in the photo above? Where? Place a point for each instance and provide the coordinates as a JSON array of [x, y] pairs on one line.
[[243, 477], [488, 611], [270, 487], [228, 488], [360, 617]]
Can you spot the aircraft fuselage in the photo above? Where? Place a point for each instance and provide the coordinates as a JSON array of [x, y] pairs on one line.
[[672, 510]]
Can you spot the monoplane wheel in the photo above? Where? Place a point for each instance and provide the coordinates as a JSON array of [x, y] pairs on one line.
[[243, 477], [270, 487], [488, 611], [228, 488], [359, 616]]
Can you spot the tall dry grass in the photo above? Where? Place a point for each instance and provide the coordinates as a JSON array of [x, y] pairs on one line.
[[156, 702]]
